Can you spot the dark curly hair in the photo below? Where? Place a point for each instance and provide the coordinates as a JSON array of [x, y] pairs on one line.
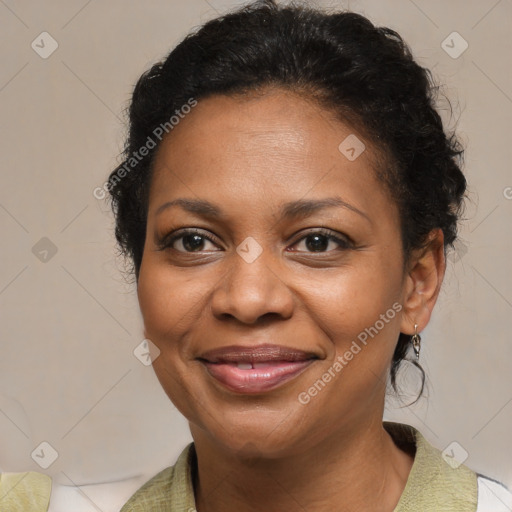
[[363, 73]]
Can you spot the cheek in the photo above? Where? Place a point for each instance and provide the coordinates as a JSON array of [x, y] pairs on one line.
[[359, 313], [167, 298], [352, 300], [166, 301]]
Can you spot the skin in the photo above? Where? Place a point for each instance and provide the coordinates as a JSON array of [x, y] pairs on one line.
[[268, 451]]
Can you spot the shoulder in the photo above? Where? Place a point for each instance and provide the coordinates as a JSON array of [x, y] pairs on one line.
[[439, 477], [437, 481], [171, 489], [25, 491], [152, 493], [493, 496]]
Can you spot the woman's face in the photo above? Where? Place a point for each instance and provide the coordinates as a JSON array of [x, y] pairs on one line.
[[260, 269]]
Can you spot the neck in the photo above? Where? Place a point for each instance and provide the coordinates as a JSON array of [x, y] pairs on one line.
[[361, 469]]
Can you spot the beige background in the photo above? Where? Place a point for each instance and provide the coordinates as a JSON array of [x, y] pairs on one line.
[[69, 325]]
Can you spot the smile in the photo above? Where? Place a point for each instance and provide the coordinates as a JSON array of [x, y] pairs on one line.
[[255, 369]]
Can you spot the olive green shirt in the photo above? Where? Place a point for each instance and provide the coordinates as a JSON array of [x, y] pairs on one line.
[[433, 485], [20, 492]]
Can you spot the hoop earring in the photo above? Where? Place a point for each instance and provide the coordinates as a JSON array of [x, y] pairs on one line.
[[416, 342]]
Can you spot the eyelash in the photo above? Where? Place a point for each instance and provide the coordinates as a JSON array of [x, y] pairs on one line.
[[167, 241]]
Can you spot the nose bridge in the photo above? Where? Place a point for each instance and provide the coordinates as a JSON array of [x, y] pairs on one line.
[[251, 286]]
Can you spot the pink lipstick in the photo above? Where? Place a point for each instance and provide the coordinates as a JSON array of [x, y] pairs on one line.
[[255, 369]]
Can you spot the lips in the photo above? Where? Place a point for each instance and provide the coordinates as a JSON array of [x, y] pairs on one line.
[[255, 369]]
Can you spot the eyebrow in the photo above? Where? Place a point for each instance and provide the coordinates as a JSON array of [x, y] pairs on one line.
[[292, 210]]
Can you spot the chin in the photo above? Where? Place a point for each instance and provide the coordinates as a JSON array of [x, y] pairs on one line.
[[253, 433]]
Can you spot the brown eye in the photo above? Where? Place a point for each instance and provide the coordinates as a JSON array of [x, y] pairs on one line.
[[187, 241], [323, 241]]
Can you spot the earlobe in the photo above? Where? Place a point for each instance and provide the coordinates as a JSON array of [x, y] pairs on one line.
[[423, 283]]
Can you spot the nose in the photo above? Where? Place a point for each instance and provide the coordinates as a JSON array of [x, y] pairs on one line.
[[250, 291]]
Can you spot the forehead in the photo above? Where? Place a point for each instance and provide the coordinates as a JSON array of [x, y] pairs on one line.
[[265, 146]]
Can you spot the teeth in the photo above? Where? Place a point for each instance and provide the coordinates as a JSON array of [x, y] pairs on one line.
[[260, 365], [244, 366]]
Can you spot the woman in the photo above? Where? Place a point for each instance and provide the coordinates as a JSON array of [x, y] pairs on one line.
[[287, 197]]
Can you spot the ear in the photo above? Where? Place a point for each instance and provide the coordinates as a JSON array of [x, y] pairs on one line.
[[426, 268]]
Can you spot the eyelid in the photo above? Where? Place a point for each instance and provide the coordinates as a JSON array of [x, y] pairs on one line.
[[344, 241], [166, 241]]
